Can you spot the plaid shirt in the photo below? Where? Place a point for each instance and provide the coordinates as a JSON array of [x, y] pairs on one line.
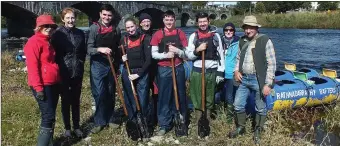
[[248, 66]]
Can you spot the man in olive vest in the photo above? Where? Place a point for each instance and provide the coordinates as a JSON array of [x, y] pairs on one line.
[[255, 71]]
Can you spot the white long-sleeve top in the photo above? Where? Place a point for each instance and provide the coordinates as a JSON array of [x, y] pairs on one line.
[[219, 64]]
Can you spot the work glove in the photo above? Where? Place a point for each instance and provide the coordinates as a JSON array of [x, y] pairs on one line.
[[219, 79], [40, 95]]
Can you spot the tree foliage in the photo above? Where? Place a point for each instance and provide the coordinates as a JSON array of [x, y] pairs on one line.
[[324, 6], [199, 3], [260, 8], [284, 6], [242, 7]]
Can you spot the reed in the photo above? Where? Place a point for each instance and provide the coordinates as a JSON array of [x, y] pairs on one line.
[[301, 20]]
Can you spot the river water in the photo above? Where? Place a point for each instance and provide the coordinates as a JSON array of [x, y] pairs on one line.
[[312, 48]]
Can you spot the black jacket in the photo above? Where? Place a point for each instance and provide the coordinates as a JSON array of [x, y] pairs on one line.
[[70, 47]]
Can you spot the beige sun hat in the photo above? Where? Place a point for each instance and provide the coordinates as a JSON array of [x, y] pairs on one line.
[[250, 20]]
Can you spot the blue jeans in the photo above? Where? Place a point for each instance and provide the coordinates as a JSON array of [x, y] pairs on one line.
[[49, 105], [142, 89], [103, 89], [249, 83], [229, 91], [166, 100]]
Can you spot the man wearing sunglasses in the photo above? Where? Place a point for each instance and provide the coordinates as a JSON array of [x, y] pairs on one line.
[[205, 39], [103, 40]]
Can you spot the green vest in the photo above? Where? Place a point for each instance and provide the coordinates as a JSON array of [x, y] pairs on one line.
[[259, 58]]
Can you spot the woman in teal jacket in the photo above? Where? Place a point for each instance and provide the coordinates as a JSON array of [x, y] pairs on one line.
[[230, 45]]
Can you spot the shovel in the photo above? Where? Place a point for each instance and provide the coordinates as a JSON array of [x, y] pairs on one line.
[[203, 122], [180, 126], [131, 127], [141, 120]]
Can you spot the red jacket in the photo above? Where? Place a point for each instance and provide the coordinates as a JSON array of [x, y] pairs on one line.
[[40, 60]]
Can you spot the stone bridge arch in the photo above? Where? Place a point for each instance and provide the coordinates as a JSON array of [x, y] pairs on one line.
[[18, 17], [184, 19], [213, 16], [224, 16]]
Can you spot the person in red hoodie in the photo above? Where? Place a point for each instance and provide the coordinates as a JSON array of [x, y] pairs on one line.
[[43, 75]]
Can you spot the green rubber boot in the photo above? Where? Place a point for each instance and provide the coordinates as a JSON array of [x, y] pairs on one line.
[[241, 123]]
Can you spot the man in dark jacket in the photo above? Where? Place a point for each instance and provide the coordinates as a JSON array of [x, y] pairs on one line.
[[145, 22], [255, 70], [103, 40]]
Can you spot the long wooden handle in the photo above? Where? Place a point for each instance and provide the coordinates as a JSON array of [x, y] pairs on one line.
[[203, 80], [174, 82], [132, 86], [119, 90]]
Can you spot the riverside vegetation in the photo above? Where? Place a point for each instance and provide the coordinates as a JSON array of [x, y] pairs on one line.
[[303, 20], [21, 118]]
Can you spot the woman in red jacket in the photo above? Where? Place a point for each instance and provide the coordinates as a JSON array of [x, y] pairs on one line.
[[43, 75]]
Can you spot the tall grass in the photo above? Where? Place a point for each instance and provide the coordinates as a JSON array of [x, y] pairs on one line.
[[21, 118], [303, 20]]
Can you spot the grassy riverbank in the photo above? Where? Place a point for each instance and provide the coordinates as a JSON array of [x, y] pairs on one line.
[[303, 20], [20, 118]]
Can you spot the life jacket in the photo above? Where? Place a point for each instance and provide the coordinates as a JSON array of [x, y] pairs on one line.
[[211, 51], [135, 52], [172, 39]]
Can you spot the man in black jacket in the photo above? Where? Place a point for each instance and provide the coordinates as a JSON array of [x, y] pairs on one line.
[[145, 22]]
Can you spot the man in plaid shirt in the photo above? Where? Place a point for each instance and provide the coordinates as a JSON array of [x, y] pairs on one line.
[[255, 71]]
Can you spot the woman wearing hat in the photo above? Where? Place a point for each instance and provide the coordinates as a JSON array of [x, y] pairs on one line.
[[43, 75], [230, 46], [70, 47]]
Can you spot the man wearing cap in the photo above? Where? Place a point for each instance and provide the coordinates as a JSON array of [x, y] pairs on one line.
[[205, 39], [103, 40], [145, 22], [255, 70], [168, 43]]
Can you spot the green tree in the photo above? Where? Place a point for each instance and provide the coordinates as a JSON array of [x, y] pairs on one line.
[[3, 22], [242, 7], [307, 5], [260, 8], [271, 6], [324, 6], [199, 3]]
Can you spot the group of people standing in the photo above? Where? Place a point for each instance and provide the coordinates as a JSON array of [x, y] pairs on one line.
[[56, 56]]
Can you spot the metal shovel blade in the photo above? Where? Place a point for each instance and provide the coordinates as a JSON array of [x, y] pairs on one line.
[[181, 128], [142, 126], [132, 130], [203, 126]]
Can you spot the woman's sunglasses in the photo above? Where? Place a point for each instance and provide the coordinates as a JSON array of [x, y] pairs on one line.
[[231, 30], [49, 26]]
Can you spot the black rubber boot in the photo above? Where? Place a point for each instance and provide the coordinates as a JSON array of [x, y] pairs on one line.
[[45, 137], [259, 122], [241, 122]]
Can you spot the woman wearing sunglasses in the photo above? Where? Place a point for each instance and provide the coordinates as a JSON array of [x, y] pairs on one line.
[[69, 44], [230, 45], [43, 75]]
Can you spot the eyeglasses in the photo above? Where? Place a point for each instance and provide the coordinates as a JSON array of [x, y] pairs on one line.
[[49, 26], [231, 30]]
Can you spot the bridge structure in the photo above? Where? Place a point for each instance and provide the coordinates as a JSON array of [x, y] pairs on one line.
[[21, 15]]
